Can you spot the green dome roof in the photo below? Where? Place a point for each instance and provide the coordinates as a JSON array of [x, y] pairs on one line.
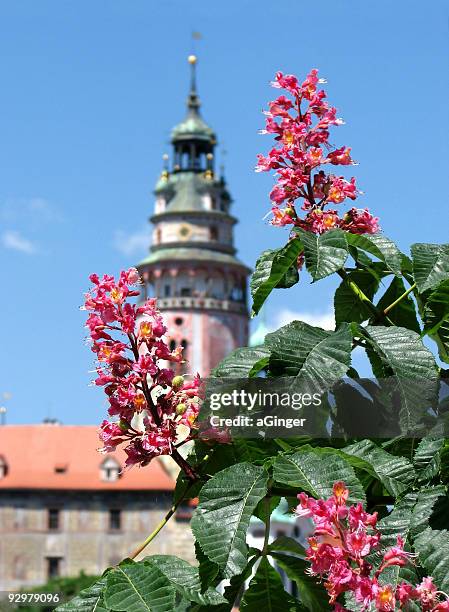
[[193, 126]]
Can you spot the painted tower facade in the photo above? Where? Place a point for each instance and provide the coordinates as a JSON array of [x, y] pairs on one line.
[[192, 268]]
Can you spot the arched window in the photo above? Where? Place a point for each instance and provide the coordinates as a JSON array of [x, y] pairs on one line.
[[172, 345]]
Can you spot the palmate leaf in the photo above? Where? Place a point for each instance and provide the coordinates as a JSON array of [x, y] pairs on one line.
[[315, 470], [432, 547], [404, 313], [137, 587], [271, 269], [185, 579], [426, 500], [399, 352], [266, 592], [347, 306], [311, 593], [222, 517], [243, 363], [397, 474], [315, 357], [380, 246], [398, 522], [430, 264], [323, 254], [87, 600]]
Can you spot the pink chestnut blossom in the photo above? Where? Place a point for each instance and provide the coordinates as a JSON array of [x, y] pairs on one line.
[[300, 123]]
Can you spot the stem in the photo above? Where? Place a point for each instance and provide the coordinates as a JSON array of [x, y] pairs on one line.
[[164, 521], [400, 298]]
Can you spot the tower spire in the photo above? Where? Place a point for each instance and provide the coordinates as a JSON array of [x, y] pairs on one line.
[[193, 101]]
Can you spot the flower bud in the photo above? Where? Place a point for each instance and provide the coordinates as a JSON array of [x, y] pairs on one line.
[[177, 382], [180, 409], [124, 425], [289, 211]]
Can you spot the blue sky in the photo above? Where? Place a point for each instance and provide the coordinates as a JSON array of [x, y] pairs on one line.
[[90, 91]]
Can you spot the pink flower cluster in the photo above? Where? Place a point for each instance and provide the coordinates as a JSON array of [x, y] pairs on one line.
[[155, 409], [338, 549], [300, 123]]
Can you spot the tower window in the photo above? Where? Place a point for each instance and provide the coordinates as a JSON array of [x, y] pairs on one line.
[[179, 321], [213, 233], [53, 519], [167, 290], [115, 519], [186, 291], [172, 345]]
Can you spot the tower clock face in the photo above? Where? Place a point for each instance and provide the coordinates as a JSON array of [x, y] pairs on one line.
[[184, 232]]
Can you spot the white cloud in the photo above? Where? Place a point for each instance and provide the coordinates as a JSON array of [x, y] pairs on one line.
[[318, 319], [13, 240], [133, 243]]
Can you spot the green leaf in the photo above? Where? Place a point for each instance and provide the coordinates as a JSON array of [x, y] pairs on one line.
[[323, 254], [347, 306], [433, 549], [266, 592], [423, 509], [242, 363], [403, 355], [271, 269], [315, 470], [287, 544], [222, 517], [436, 308], [315, 357], [398, 522], [430, 264], [380, 246], [397, 474], [87, 600], [137, 587], [185, 579], [404, 313], [427, 458], [311, 593]]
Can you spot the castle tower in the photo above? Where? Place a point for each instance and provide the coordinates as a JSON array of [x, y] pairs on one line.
[[192, 268]]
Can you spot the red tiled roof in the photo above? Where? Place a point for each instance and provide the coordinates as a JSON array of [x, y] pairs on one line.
[[49, 456]]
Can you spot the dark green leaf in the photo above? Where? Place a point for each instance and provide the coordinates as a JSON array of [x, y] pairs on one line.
[[395, 473], [222, 517], [436, 308], [427, 458], [404, 313], [317, 358], [136, 587], [287, 544], [87, 600], [347, 306], [242, 363], [315, 470], [433, 549], [324, 254], [311, 593], [380, 246], [430, 264], [271, 269], [266, 592], [423, 509]]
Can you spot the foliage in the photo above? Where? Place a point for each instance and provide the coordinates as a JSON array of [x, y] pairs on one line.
[[391, 306]]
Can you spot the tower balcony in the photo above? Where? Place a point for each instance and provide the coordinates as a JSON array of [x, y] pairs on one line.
[[201, 303]]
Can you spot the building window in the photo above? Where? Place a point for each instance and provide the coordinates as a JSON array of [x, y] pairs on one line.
[[213, 232], [172, 345], [115, 519], [179, 321], [110, 470], [186, 291], [53, 519], [53, 567], [3, 468], [167, 290]]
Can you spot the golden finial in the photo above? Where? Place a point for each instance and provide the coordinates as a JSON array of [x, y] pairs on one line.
[[192, 59]]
